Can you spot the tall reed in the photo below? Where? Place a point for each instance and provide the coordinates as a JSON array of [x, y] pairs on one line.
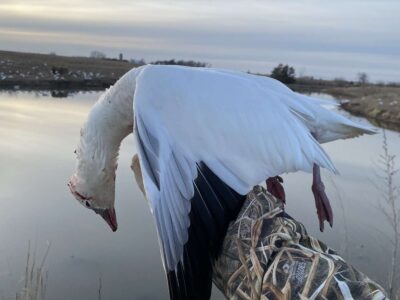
[[390, 207], [35, 278]]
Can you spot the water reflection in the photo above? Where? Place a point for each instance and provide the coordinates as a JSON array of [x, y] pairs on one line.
[[37, 138]]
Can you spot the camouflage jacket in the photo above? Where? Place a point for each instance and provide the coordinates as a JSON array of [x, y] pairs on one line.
[[268, 255]]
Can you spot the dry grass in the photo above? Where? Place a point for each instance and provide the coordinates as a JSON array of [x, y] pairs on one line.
[[380, 104], [390, 207], [35, 277]]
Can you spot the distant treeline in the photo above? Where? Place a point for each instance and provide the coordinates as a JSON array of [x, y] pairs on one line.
[[189, 63], [287, 75]]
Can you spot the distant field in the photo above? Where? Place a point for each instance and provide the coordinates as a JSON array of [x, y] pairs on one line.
[[41, 71], [61, 74]]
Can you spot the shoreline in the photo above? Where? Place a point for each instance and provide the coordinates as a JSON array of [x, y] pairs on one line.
[[379, 104], [62, 75]]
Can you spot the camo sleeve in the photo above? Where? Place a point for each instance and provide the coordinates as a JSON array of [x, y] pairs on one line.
[[268, 255]]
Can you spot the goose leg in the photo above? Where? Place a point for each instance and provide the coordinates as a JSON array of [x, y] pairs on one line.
[[324, 209], [275, 187], [137, 171]]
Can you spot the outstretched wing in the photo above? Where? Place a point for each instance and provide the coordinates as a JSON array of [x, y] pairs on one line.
[[192, 208], [205, 138]]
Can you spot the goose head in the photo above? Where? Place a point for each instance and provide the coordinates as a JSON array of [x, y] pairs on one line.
[[93, 183], [109, 121]]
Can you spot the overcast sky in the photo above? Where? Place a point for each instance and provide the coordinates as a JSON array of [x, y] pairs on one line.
[[322, 38]]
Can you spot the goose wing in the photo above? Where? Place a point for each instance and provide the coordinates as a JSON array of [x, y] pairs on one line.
[[205, 138]]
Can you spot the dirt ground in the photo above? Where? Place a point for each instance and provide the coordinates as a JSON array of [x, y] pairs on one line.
[[39, 71]]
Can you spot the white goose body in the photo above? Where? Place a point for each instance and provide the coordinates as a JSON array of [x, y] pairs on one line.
[[205, 137]]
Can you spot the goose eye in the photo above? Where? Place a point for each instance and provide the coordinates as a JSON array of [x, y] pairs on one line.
[[87, 204]]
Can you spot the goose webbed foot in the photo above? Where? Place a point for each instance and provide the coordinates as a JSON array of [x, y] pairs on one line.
[[322, 204], [275, 187]]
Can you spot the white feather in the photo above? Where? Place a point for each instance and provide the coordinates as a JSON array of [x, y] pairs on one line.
[[245, 128]]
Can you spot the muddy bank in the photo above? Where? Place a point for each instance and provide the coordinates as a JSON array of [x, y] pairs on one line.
[[379, 104]]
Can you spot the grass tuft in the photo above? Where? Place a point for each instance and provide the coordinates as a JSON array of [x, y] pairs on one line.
[[35, 278], [390, 207]]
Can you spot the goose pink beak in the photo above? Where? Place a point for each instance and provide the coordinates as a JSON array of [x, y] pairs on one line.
[[110, 217]]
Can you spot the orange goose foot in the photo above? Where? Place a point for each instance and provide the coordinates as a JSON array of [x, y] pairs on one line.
[[275, 187], [324, 209]]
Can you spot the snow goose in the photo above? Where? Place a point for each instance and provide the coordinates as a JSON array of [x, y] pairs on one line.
[[205, 137]]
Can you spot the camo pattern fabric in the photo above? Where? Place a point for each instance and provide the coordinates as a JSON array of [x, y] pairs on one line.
[[268, 255]]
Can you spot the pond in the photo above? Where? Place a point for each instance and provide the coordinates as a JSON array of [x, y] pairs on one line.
[[38, 135]]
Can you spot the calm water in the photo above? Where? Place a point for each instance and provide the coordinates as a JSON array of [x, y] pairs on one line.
[[38, 135]]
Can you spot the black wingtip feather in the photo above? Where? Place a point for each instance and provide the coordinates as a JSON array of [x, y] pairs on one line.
[[213, 206]]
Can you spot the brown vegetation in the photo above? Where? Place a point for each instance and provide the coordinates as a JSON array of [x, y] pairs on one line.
[[35, 278], [378, 103], [390, 207]]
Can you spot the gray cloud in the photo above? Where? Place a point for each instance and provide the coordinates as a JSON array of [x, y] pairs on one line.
[[326, 39]]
